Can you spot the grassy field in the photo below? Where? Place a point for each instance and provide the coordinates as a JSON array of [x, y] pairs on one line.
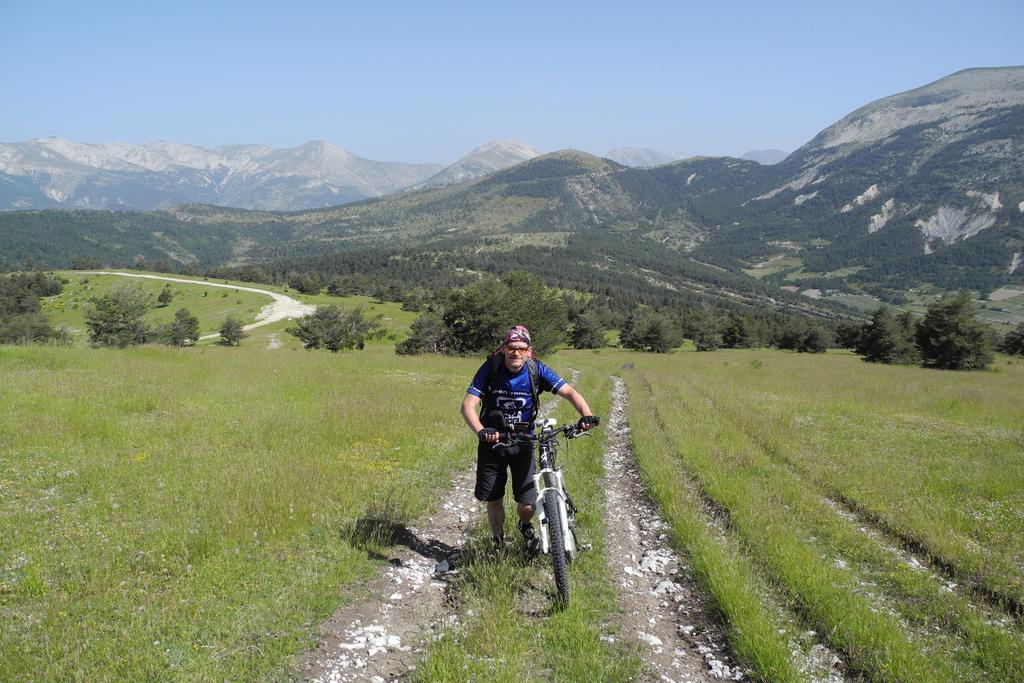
[[176, 514], [211, 305], [823, 469]]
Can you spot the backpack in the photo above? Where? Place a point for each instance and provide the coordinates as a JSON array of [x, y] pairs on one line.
[[494, 363]]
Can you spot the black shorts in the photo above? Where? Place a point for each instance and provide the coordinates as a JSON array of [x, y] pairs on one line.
[[492, 465]]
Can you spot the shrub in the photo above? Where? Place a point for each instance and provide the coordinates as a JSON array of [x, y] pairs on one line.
[[950, 337], [231, 332], [587, 332], [888, 339], [116, 318], [30, 328], [1013, 342], [335, 328]]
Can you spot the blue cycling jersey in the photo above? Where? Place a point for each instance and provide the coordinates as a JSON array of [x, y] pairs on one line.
[[511, 393]]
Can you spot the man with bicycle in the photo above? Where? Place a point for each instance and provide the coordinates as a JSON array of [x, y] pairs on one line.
[[508, 385]]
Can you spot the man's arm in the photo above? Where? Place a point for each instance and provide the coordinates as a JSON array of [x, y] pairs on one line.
[[575, 398], [469, 405]]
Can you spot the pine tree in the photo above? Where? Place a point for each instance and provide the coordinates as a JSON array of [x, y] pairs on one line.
[[951, 338], [165, 296], [587, 333], [887, 339], [231, 332], [335, 328], [1013, 342], [116, 318], [184, 330]]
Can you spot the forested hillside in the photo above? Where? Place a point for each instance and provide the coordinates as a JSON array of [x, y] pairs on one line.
[[922, 189]]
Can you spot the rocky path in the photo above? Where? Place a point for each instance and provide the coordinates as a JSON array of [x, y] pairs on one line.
[[283, 307], [382, 637], [662, 605]]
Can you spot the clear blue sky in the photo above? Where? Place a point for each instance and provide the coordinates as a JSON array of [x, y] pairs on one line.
[[428, 81]]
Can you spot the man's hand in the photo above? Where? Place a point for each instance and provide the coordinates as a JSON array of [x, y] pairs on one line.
[[588, 421], [488, 435]]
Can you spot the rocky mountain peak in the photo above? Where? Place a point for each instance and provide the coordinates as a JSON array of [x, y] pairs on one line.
[[956, 102], [487, 158]]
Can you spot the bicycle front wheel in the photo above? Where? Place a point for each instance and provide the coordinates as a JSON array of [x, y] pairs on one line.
[[559, 562]]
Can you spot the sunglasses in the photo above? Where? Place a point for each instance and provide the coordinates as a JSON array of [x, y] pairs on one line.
[[513, 349]]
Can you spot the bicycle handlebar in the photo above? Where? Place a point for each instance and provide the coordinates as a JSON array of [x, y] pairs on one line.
[[570, 431]]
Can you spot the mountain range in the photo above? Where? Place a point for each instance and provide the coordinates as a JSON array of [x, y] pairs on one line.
[[59, 173], [920, 189]]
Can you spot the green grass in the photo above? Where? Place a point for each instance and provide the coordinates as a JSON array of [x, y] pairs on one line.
[[211, 305], [178, 514], [757, 633], [777, 264], [737, 423], [175, 514]]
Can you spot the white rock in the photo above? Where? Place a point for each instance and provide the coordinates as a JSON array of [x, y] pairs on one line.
[[649, 639]]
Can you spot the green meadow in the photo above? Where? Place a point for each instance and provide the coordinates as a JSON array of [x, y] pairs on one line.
[[178, 514], [211, 305], [825, 471]]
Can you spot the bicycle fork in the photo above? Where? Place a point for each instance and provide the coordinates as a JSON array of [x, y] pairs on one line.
[[551, 480]]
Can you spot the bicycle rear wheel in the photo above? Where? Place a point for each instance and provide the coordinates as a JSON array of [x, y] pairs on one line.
[[559, 562]]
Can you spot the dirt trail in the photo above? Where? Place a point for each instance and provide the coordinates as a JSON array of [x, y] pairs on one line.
[[283, 307], [662, 606], [382, 637]]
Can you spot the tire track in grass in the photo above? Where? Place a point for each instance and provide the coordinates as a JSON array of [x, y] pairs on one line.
[[913, 557], [905, 583], [915, 553], [918, 552], [660, 601], [758, 626], [853, 612], [919, 555]]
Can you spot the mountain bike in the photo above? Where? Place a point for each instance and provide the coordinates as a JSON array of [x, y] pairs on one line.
[[556, 514]]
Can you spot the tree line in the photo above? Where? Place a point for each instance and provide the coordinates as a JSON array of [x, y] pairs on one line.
[[948, 337], [21, 318]]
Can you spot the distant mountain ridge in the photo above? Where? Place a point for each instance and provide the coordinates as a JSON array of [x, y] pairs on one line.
[[639, 156], [488, 158], [765, 156], [54, 172]]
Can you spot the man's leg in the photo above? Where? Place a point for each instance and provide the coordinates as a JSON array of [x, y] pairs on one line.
[[525, 511], [526, 497], [496, 516], [491, 476]]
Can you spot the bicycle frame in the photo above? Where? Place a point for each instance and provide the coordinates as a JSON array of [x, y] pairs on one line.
[[550, 478]]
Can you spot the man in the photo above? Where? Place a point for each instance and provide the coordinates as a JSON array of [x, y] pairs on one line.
[[506, 388]]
